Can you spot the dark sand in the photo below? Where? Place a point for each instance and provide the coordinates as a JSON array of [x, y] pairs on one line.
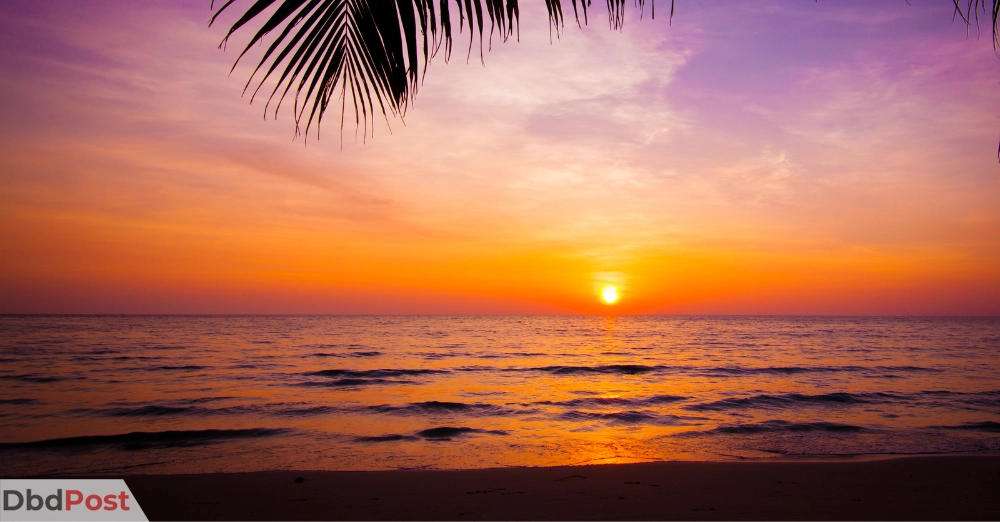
[[912, 488]]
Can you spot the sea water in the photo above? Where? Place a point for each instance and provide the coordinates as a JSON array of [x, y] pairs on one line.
[[183, 394]]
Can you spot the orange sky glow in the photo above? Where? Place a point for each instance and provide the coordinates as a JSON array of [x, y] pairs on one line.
[[780, 157]]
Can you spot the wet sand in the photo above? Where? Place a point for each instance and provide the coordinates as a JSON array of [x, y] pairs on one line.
[[911, 488]]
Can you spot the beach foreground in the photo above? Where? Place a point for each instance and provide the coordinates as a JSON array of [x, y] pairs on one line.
[[914, 488]]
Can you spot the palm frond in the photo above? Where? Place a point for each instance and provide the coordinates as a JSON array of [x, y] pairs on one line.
[[969, 11], [366, 54]]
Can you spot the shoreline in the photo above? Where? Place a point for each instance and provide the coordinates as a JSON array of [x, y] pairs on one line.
[[941, 487]]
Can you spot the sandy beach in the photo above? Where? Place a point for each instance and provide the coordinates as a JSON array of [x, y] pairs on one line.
[[911, 488]]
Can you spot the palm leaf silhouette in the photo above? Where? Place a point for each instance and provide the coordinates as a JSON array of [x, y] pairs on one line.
[[969, 11], [366, 54]]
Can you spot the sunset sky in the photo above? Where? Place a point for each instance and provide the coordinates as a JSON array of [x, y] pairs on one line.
[[754, 157]]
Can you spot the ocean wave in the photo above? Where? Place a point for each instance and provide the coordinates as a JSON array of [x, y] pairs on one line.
[[780, 426], [150, 411], [202, 400], [355, 378], [625, 417], [990, 426], [908, 369], [985, 398], [159, 410], [18, 401], [513, 355], [326, 346], [774, 370], [185, 368], [613, 401], [294, 411], [102, 352], [621, 369], [145, 440], [348, 354], [482, 369], [351, 383], [165, 347], [386, 438], [790, 400], [448, 432], [663, 399], [40, 379], [436, 356], [256, 366], [377, 374], [156, 410], [430, 407], [795, 370]]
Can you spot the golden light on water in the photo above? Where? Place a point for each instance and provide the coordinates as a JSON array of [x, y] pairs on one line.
[[609, 294]]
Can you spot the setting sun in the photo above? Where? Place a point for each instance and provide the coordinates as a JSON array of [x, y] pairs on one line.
[[609, 294]]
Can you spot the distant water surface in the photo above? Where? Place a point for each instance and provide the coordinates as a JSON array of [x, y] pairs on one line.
[[179, 394]]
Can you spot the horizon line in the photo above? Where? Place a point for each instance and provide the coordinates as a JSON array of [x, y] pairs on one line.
[[870, 316]]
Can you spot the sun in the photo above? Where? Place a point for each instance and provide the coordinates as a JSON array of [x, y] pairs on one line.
[[609, 294]]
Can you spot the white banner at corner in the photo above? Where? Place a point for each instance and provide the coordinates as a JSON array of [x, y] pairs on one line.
[[68, 500]]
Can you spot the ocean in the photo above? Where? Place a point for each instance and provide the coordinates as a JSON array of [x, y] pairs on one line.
[[191, 394]]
